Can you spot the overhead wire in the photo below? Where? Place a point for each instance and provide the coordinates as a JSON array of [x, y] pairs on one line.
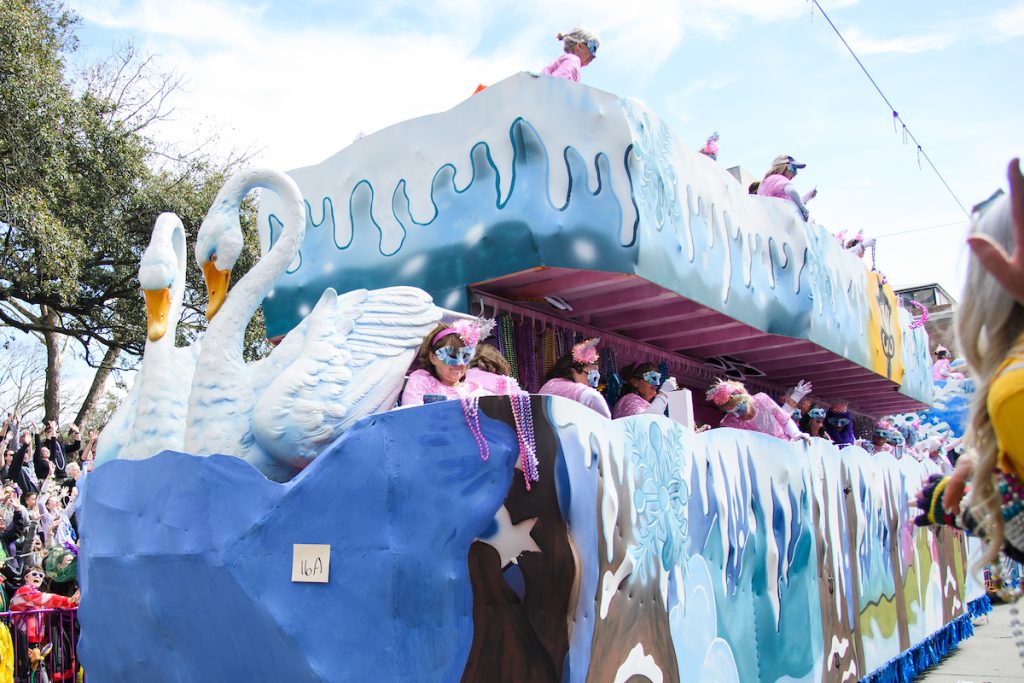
[[895, 114], [923, 228]]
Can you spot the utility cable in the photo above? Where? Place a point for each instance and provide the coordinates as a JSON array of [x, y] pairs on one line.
[[922, 229], [895, 115]]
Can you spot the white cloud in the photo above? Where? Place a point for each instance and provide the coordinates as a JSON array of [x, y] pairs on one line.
[[720, 18], [864, 45], [183, 20], [998, 26], [300, 95], [1008, 23], [712, 82]]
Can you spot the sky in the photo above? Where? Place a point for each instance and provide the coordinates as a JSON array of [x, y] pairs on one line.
[[299, 80]]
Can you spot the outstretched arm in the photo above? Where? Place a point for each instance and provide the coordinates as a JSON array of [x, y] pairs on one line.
[[792, 193], [660, 402]]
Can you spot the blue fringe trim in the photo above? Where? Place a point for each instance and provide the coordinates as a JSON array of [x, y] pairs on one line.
[[906, 666], [982, 605]]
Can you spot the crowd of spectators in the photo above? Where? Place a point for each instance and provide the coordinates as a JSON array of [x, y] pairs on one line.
[[41, 472]]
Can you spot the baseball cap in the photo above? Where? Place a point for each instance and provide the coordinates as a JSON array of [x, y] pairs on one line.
[[786, 159]]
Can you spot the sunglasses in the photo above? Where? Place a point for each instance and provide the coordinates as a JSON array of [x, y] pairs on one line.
[[652, 377], [38, 575], [592, 46], [739, 409], [458, 357]]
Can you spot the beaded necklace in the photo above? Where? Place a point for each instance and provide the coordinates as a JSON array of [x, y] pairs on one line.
[[506, 344], [1011, 493], [471, 409], [610, 376], [1002, 589], [550, 351], [527, 360], [536, 357], [522, 413]]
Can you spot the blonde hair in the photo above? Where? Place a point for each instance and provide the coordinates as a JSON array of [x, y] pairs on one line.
[[777, 169], [577, 36], [723, 391], [489, 359], [989, 323]]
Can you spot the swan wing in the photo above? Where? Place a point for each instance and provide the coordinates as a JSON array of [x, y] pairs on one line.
[[266, 370], [356, 350]]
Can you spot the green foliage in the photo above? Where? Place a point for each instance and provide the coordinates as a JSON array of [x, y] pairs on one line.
[[80, 189]]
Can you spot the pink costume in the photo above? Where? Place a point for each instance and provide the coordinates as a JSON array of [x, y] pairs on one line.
[[631, 404], [581, 393], [779, 186], [768, 418], [499, 385], [940, 370], [421, 383], [567, 66]]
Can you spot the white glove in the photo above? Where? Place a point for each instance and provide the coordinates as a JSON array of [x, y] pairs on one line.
[[670, 385], [793, 432], [801, 390]]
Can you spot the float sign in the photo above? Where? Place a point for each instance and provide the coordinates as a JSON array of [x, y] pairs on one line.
[[311, 563]]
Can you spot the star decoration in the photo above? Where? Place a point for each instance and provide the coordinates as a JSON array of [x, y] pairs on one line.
[[511, 540]]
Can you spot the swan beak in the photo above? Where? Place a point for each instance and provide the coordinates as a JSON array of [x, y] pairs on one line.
[[158, 303], [216, 287]]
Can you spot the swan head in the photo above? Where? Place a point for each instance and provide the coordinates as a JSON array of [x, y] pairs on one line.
[[159, 271], [218, 247], [220, 241]]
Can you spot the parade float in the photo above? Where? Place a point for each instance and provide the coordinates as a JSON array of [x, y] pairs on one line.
[[410, 546]]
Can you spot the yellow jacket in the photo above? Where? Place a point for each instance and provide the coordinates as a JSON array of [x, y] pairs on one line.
[[1006, 411]]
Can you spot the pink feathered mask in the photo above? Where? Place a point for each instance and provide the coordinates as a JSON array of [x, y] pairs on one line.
[[469, 331], [722, 391], [585, 353]]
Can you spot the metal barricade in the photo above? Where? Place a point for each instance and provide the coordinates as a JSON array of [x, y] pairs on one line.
[[38, 643]]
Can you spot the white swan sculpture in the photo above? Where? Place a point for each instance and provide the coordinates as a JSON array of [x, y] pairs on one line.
[[152, 418], [344, 361]]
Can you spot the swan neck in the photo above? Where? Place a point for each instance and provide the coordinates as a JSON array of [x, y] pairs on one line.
[[246, 296]]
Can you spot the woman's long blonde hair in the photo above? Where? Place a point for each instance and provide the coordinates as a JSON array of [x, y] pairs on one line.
[[777, 169], [989, 325]]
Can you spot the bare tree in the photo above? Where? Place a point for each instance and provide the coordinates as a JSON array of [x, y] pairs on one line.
[[22, 376], [23, 380]]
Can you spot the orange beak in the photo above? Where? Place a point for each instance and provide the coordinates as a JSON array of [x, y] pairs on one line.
[[216, 287], [158, 303]]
